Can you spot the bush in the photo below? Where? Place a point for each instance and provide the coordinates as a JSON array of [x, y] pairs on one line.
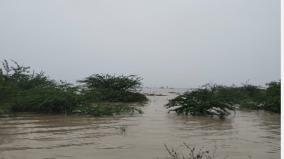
[[246, 96], [102, 109], [25, 91], [61, 98], [217, 99], [191, 153], [273, 97], [202, 101], [113, 88]]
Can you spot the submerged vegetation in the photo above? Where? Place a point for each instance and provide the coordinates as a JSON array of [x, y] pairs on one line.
[[272, 101], [24, 91], [191, 153], [218, 100], [106, 108], [113, 88], [202, 101]]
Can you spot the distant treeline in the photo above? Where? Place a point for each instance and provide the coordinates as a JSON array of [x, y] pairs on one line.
[[22, 90], [218, 99]]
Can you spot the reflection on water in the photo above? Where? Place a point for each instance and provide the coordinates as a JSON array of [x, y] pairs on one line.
[[243, 134]]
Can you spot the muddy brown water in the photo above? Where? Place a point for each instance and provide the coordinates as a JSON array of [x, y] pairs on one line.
[[243, 134]]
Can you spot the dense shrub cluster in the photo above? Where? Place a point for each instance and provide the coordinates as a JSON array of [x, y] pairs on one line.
[[217, 100], [202, 101], [23, 90], [113, 88], [254, 97], [272, 101]]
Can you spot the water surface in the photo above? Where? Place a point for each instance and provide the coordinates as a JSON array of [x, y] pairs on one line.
[[37, 136]]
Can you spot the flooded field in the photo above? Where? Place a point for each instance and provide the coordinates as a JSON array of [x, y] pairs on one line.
[[243, 134]]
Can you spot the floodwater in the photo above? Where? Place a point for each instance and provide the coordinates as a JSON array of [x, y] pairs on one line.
[[244, 134]]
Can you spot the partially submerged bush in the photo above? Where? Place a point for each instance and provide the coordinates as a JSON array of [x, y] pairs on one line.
[[22, 90], [113, 88], [202, 101], [102, 109], [217, 99], [273, 97], [61, 98], [191, 153], [254, 97]]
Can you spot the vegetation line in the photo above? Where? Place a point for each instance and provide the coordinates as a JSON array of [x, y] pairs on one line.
[[217, 100], [22, 90]]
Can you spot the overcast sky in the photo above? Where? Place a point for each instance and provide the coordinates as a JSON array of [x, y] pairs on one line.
[[176, 43]]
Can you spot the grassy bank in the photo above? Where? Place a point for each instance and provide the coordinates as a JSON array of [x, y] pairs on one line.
[[22, 90]]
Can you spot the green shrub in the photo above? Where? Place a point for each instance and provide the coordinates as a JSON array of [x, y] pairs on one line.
[[202, 101], [22, 90], [273, 97], [59, 99], [217, 99], [113, 88], [102, 109]]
